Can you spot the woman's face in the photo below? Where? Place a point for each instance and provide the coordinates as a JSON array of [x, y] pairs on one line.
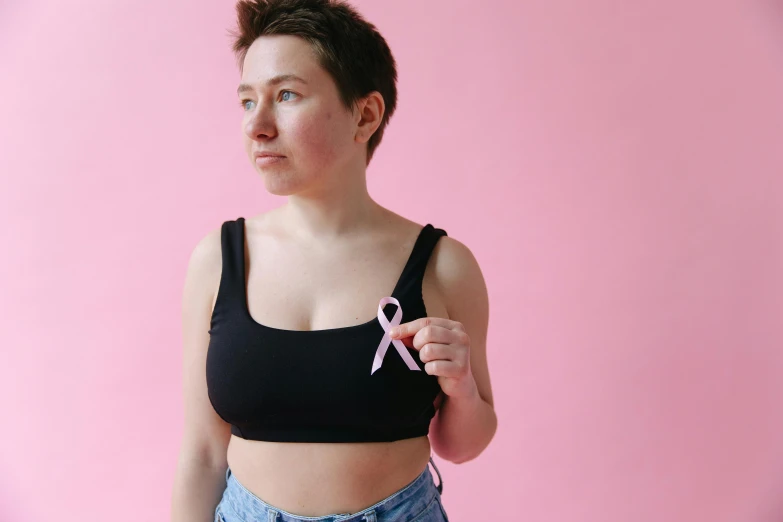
[[302, 120]]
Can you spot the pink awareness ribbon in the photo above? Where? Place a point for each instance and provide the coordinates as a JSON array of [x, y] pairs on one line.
[[380, 353]]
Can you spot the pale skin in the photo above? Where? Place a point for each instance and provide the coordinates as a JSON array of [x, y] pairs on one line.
[[323, 260]]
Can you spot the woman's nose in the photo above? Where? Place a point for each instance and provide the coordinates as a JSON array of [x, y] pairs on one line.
[[260, 125]]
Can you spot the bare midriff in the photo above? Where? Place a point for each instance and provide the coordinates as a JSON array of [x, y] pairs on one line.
[[319, 479]]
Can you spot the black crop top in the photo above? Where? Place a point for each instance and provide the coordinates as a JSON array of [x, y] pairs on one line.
[[316, 385]]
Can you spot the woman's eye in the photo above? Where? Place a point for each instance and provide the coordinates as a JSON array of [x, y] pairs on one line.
[[292, 92], [242, 103]]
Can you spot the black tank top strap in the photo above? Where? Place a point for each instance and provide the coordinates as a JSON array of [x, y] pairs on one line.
[[232, 277], [233, 249], [409, 284]]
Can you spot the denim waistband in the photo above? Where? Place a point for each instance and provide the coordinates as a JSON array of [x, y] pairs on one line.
[[419, 491]]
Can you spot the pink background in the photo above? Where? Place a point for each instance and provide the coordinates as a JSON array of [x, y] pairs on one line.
[[612, 165]]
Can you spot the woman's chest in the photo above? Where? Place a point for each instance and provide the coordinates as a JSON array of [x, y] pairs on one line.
[[288, 292]]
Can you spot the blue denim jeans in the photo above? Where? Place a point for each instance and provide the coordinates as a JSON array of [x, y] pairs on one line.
[[419, 501]]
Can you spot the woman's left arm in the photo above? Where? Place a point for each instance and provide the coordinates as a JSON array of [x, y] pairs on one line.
[[454, 349]]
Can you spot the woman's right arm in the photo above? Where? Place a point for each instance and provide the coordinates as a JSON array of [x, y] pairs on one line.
[[201, 467]]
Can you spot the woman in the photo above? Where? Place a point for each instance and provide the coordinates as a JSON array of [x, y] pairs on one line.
[[300, 401]]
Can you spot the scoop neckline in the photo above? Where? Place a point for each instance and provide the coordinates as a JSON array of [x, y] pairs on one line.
[[246, 308]]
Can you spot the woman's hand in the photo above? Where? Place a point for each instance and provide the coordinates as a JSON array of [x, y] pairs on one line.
[[444, 347]]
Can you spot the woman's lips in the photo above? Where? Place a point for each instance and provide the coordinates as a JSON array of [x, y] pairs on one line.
[[268, 160]]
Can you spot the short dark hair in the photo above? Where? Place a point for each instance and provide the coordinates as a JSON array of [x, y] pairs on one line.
[[348, 47]]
